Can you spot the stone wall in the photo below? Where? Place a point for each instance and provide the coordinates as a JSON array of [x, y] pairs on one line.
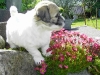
[[4, 15], [16, 63], [3, 29], [2, 42]]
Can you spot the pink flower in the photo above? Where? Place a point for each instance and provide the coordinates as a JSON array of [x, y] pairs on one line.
[[42, 71], [91, 40], [74, 48], [60, 65], [79, 41], [61, 57], [63, 45], [70, 35], [56, 45], [73, 57], [96, 46], [84, 42], [37, 68], [89, 58], [87, 51], [71, 41], [76, 33], [83, 36], [43, 64], [68, 53], [66, 66], [48, 50]]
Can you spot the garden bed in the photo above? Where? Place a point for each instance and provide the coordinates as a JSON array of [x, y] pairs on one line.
[[73, 52], [4, 15]]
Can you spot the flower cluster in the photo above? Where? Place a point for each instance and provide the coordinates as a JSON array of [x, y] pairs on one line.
[[42, 68], [71, 52]]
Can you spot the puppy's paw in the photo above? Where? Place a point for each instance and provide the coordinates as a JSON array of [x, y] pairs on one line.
[[47, 54], [38, 60]]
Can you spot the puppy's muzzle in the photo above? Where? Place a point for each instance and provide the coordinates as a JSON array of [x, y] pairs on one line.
[[60, 21]]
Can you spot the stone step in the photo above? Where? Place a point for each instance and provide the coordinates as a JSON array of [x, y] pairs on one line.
[[16, 63]]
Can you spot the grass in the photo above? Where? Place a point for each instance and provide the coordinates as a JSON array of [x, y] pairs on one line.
[[89, 22]]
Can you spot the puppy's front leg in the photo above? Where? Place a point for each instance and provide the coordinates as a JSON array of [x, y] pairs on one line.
[[36, 55], [44, 50]]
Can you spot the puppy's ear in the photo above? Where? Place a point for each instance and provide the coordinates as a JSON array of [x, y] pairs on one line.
[[43, 13]]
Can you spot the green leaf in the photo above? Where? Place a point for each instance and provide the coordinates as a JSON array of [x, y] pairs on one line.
[[2, 1]]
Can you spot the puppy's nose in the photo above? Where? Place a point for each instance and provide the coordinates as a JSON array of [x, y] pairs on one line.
[[58, 23]]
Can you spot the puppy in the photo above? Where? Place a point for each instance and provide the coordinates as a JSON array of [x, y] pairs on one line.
[[33, 29]]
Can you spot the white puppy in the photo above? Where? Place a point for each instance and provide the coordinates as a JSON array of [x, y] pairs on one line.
[[33, 29]]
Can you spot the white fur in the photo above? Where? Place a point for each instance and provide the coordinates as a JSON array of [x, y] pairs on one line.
[[13, 11], [23, 30]]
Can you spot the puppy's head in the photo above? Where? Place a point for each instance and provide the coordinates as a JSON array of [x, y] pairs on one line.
[[48, 12]]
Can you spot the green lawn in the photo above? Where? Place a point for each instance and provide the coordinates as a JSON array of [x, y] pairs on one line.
[[89, 22]]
